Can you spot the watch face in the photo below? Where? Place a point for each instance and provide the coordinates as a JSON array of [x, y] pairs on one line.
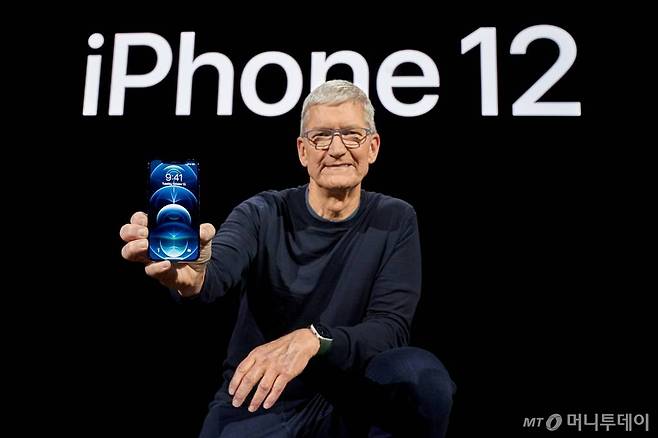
[[322, 331]]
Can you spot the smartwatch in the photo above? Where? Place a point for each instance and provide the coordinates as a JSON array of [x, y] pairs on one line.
[[323, 335]]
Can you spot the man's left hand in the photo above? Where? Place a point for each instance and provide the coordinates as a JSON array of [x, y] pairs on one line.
[[273, 365]]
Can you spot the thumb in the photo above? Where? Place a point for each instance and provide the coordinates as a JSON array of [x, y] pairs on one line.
[[206, 233]]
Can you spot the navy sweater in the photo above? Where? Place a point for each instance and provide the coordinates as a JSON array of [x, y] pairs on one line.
[[360, 277]]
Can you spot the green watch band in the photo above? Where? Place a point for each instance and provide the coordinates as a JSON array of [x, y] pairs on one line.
[[323, 337]]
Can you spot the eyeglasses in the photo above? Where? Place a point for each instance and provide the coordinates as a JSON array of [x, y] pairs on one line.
[[351, 137]]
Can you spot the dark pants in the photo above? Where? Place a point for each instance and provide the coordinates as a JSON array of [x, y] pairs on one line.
[[405, 392]]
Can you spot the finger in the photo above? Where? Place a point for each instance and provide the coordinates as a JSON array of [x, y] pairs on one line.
[[264, 388], [247, 383], [130, 232], [206, 232], [135, 250], [159, 269], [277, 388], [240, 371], [139, 218]]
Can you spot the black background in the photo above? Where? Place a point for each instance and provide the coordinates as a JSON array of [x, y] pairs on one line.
[[535, 231]]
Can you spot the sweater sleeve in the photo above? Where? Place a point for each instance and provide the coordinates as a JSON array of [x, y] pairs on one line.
[[233, 249], [394, 296]]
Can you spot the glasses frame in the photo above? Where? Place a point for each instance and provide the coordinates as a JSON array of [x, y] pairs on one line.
[[335, 132]]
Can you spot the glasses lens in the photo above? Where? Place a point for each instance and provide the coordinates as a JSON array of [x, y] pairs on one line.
[[353, 137], [320, 137]]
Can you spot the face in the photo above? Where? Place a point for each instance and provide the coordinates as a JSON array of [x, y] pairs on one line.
[[337, 168]]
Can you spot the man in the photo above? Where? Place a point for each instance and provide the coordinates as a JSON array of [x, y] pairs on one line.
[[329, 276]]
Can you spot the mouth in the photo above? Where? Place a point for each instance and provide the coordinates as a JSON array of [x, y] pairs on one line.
[[338, 166]]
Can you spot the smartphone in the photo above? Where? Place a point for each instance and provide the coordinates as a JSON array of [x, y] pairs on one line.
[[173, 210]]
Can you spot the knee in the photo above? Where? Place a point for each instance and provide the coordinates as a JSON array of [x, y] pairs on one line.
[[420, 374]]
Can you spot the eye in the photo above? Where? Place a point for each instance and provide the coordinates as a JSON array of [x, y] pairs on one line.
[[353, 134], [319, 135]]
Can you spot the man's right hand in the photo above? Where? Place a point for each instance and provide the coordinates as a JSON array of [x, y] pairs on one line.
[[186, 277]]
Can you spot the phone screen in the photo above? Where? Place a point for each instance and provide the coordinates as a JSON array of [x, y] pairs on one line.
[[173, 211]]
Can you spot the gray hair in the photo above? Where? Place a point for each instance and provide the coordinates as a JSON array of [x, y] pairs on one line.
[[336, 92]]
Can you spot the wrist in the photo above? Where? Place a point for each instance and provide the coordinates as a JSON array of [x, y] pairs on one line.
[[187, 291], [324, 337], [313, 342]]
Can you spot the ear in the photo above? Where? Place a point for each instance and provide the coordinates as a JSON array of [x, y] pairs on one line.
[[373, 149], [301, 152]]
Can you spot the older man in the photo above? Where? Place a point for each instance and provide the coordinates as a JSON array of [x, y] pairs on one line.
[[329, 276]]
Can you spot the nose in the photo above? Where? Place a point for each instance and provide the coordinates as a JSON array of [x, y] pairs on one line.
[[337, 148]]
